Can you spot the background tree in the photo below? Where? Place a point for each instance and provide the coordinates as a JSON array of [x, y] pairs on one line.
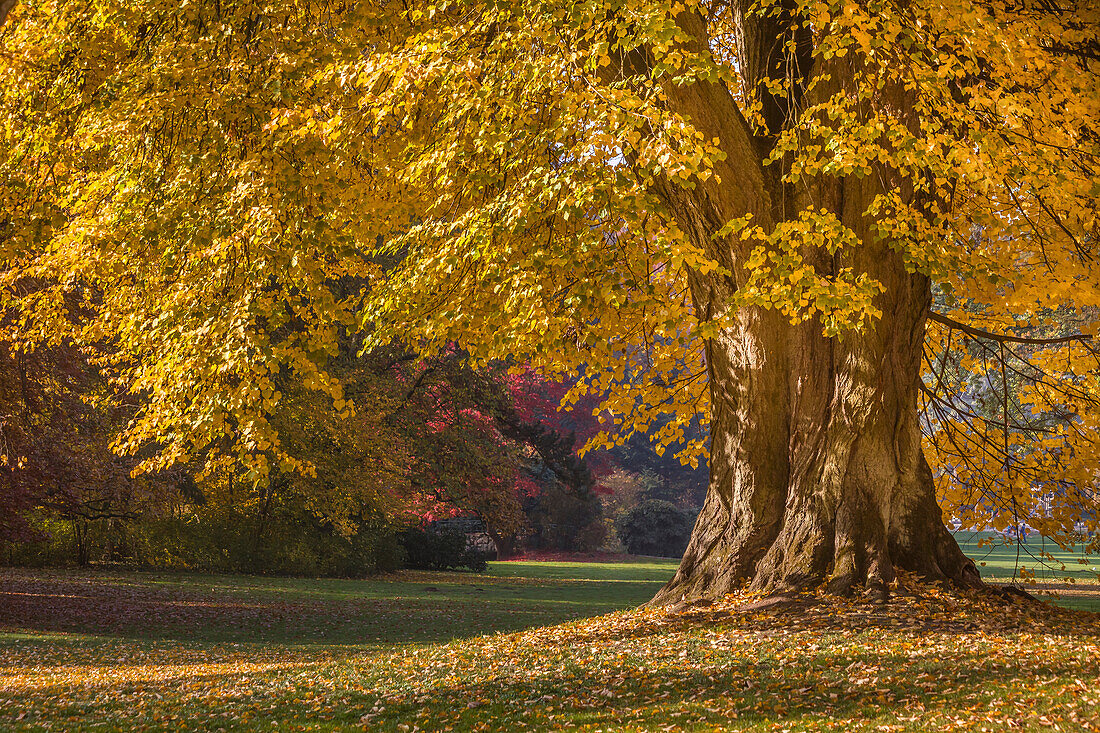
[[727, 210], [493, 444], [60, 418], [655, 527]]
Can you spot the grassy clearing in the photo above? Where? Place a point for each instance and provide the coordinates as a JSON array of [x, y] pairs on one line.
[[1039, 556], [518, 648], [407, 607], [1069, 579]]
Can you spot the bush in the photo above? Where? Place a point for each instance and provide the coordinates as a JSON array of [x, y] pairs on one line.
[[655, 527], [219, 539], [441, 550], [564, 518]]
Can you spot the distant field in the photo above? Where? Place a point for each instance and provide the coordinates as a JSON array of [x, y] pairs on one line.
[[403, 607], [999, 560], [1050, 572]]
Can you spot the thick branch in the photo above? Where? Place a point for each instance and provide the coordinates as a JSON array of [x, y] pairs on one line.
[[5, 8], [1001, 337]]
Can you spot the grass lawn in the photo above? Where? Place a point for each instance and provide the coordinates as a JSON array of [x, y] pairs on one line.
[[525, 646], [417, 607], [1041, 558], [1068, 579]]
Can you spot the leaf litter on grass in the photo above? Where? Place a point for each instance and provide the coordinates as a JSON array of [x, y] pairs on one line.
[[928, 660]]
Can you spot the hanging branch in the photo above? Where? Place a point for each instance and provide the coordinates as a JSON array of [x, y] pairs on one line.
[[968, 442]]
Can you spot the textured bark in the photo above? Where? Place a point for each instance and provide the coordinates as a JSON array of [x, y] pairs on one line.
[[817, 473], [6, 7], [851, 497]]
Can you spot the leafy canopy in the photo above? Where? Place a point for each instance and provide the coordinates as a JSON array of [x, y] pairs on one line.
[[222, 189]]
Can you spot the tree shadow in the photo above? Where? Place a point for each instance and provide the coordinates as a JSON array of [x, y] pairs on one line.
[[709, 667], [852, 684], [750, 692], [936, 611], [84, 603]]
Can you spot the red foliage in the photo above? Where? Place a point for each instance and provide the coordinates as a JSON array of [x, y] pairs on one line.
[[482, 438]]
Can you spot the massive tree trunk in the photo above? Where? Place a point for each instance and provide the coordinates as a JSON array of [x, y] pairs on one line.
[[817, 473]]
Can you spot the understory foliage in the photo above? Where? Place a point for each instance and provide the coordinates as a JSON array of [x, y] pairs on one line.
[[434, 444], [58, 416], [231, 189], [655, 527], [440, 550]]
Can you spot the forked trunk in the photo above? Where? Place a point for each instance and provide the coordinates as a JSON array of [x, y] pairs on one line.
[[817, 473]]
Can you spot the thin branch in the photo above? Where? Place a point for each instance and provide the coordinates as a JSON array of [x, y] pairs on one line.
[[413, 388], [950, 404]]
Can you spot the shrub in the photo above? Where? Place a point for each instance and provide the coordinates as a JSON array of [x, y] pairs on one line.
[[220, 539], [565, 518], [655, 527], [441, 550]]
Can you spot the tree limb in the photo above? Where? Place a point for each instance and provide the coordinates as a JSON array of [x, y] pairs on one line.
[[1001, 337], [5, 8]]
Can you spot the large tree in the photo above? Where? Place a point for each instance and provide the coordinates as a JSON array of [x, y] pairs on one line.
[[733, 210]]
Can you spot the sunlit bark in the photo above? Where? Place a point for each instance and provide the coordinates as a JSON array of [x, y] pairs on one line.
[[817, 473]]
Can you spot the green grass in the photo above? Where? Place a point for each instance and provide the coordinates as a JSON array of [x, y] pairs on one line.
[[1041, 557], [527, 645], [1066, 578], [402, 608]]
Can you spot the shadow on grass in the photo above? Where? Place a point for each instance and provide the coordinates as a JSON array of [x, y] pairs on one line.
[[905, 614], [917, 662], [752, 693], [723, 690], [426, 608]]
